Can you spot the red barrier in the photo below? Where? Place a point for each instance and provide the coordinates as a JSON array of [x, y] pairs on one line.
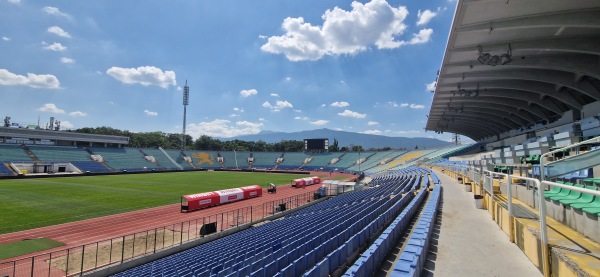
[[203, 200], [308, 181]]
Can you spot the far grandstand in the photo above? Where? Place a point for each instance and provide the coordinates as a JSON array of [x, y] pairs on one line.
[[40, 152]]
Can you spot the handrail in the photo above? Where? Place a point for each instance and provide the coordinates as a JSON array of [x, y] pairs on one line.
[[542, 211], [541, 189], [170, 159], [541, 186], [542, 207], [542, 177]]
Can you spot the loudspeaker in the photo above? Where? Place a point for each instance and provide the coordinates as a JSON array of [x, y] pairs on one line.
[[208, 229]]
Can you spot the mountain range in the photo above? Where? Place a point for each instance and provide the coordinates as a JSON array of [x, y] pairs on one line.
[[367, 141]]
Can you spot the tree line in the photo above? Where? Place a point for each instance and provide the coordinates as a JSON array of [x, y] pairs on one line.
[[204, 142], [173, 141]]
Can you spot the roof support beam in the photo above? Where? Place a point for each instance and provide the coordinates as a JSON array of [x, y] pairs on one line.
[[464, 128], [521, 105], [583, 45], [574, 63], [516, 95], [580, 18], [517, 85], [545, 76], [495, 118], [524, 119]]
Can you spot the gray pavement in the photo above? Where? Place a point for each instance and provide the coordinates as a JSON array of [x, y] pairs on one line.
[[467, 242]]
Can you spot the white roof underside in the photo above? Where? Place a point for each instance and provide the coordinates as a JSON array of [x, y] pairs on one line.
[[554, 65]]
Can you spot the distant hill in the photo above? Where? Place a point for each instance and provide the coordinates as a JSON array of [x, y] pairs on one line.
[[345, 139]]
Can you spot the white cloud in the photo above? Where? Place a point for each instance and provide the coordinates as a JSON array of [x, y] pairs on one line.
[[249, 92], [149, 113], [323, 105], [287, 79], [430, 86], [422, 37], [415, 106], [59, 32], [392, 104], [343, 32], [371, 123], [54, 46], [274, 94], [6, 38], [297, 111], [261, 119], [319, 122], [349, 113], [66, 125], [67, 60], [144, 75], [51, 108], [223, 128], [55, 11], [301, 118], [8, 78], [404, 105], [279, 105], [372, 132], [236, 109], [16, 2], [425, 17], [77, 113], [408, 132], [340, 104], [234, 115]]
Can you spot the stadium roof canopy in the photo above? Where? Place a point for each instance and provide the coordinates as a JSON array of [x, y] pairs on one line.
[[512, 64]]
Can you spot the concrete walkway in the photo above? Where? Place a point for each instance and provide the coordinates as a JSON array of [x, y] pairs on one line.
[[469, 243]]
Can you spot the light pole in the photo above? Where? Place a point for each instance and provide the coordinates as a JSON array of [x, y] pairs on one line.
[[359, 160]]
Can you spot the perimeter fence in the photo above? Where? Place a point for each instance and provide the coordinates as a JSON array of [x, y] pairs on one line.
[[75, 261]]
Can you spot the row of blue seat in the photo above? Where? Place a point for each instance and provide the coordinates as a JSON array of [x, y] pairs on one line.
[[315, 240], [91, 166], [5, 171], [412, 260], [435, 178], [370, 260], [338, 257], [333, 227]]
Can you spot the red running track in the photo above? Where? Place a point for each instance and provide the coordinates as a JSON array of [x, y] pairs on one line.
[[115, 226]]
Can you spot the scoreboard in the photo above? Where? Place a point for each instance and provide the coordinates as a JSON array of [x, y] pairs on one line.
[[319, 145]]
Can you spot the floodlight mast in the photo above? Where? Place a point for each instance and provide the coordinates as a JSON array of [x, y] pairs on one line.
[[186, 101]]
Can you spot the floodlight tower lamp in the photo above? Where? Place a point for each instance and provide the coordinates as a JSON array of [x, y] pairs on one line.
[[506, 58], [493, 60]]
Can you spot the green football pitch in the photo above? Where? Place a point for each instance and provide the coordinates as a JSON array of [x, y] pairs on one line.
[[32, 203]]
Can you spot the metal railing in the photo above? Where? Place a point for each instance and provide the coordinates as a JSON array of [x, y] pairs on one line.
[[488, 176], [77, 260]]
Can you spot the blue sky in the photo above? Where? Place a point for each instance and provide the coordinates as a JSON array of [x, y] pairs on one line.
[[276, 65]]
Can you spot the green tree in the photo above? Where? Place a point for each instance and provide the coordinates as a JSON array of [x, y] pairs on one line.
[[357, 148], [335, 146]]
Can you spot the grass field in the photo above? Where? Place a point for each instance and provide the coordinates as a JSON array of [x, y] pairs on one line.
[[32, 203], [9, 250]]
